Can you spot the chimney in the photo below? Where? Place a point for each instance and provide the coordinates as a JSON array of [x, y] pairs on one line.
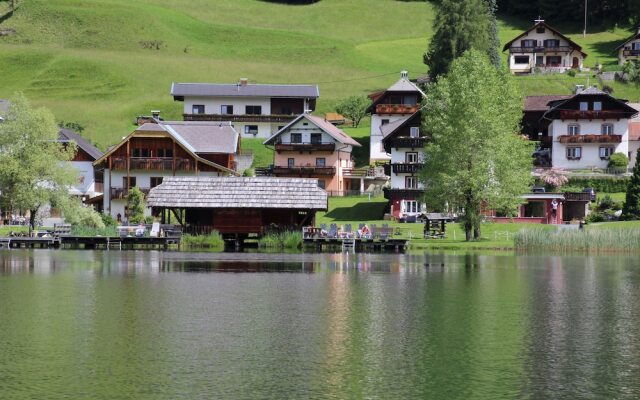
[[404, 74], [244, 81], [155, 114], [579, 89]]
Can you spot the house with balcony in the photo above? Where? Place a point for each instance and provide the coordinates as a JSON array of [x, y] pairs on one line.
[[399, 101], [544, 47], [587, 128], [90, 179], [156, 150], [310, 147], [255, 110], [404, 139], [630, 49], [634, 136]]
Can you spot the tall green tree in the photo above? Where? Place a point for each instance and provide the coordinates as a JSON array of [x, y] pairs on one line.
[[354, 108], [631, 209], [459, 25], [475, 157], [494, 46], [33, 171], [135, 205]]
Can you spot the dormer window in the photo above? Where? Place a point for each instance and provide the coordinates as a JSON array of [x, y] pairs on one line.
[[584, 106], [597, 106], [540, 29], [414, 131], [573, 130]]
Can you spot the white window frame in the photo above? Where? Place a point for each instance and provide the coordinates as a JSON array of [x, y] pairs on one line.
[[597, 106], [573, 129], [249, 131], [411, 157], [584, 106], [411, 206], [411, 182], [606, 129], [574, 153], [225, 108], [605, 152]]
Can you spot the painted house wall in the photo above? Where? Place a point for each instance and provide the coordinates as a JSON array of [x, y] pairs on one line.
[[632, 45], [399, 156], [566, 57], [86, 178], [213, 105], [590, 151], [377, 152]]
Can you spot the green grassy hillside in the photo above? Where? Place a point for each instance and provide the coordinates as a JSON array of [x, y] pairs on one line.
[[90, 63]]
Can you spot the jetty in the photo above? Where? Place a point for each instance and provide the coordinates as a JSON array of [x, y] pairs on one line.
[[90, 242]]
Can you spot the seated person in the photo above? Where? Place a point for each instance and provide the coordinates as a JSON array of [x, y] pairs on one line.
[[140, 231], [365, 232]]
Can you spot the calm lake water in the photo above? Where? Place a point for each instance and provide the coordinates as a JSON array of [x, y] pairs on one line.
[[153, 325]]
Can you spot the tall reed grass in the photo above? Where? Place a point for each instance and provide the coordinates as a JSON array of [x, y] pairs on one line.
[[282, 240], [588, 240], [213, 240]]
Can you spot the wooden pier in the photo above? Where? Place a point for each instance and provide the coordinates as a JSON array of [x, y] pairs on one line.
[[356, 244], [90, 243]]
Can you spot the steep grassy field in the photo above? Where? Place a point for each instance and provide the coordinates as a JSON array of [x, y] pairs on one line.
[[90, 61]]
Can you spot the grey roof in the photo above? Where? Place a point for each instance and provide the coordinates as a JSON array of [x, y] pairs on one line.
[[205, 137], [592, 90], [249, 90], [238, 192], [404, 85], [387, 129], [69, 135], [325, 126]]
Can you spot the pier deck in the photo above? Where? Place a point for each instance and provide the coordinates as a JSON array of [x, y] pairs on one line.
[[90, 242]]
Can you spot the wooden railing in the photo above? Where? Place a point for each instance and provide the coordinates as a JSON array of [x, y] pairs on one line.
[[368, 172], [239, 118], [577, 114], [409, 194], [407, 142], [151, 164], [305, 147], [122, 193], [590, 139], [405, 168], [396, 109], [540, 49], [304, 170], [577, 196], [631, 53]]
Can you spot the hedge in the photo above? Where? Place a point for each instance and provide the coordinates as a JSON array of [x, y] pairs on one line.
[[607, 185]]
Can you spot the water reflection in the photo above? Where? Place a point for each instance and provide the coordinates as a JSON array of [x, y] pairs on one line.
[[94, 324]]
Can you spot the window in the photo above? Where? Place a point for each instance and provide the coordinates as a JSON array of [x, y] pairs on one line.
[[552, 43], [607, 129], [316, 138], [253, 110], [164, 153], [321, 183], [414, 131], [296, 138], [321, 162], [130, 184], [635, 46], [411, 158], [584, 106], [528, 43], [411, 206], [411, 182], [251, 129], [521, 59], [155, 181], [540, 29], [554, 60], [197, 109], [574, 153], [410, 100], [534, 209], [605, 152], [226, 109], [384, 122], [597, 106], [573, 130], [291, 162], [135, 153]]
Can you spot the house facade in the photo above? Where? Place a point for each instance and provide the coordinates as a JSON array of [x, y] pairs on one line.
[[90, 179], [310, 147], [538, 208], [254, 110], [630, 49], [587, 129], [404, 140], [542, 46], [399, 101], [158, 150]]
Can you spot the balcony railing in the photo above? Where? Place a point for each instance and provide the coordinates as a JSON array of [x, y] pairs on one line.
[[303, 170], [239, 118], [407, 142], [305, 147], [375, 172], [539, 49], [577, 196], [405, 168], [631, 53], [121, 193], [398, 193], [576, 114], [151, 164], [396, 109], [590, 139]]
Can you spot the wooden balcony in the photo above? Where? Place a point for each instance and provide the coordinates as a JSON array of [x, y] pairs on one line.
[[407, 194], [578, 196], [301, 147], [151, 164], [576, 114], [631, 53], [405, 168], [590, 139], [538, 50], [121, 193], [285, 119], [396, 109], [303, 170], [407, 142], [367, 172]]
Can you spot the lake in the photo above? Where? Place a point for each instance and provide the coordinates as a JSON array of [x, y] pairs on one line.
[[170, 325]]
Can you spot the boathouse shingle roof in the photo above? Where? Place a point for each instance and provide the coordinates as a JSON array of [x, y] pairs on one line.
[[238, 192]]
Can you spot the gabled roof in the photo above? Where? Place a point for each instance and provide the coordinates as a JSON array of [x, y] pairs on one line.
[[179, 90], [391, 127], [238, 192], [541, 103], [196, 137], [591, 91], [325, 126], [404, 85], [546, 26], [67, 135], [631, 38]]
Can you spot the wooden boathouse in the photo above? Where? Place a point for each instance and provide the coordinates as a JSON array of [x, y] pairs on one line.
[[237, 206]]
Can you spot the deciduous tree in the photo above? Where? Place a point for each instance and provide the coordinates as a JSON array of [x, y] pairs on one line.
[[354, 108], [631, 209], [476, 157], [33, 171]]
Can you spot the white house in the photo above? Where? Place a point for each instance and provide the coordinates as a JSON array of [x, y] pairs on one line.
[[399, 101], [254, 110], [90, 184], [630, 49], [587, 128], [543, 47]]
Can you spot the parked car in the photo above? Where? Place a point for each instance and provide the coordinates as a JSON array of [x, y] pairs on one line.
[[591, 192], [538, 189]]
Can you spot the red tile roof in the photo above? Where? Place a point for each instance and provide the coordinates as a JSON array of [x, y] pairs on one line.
[[634, 130]]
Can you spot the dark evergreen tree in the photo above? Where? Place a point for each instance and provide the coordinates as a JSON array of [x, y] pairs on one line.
[[460, 25], [494, 49], [631, 209]]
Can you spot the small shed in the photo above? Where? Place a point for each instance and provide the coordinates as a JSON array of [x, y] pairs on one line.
[[237, 206]]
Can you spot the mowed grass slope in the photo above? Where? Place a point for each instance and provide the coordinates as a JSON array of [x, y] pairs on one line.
[[87, 62]]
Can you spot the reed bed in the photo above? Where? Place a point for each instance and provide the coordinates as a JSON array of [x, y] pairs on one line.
[[213, 240], [282, 240], [589, 240]]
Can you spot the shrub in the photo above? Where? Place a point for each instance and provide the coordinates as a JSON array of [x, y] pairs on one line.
[[135, 205], [108, 220], [571, 72], [618, 160], [210, 241], [604, 184]]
